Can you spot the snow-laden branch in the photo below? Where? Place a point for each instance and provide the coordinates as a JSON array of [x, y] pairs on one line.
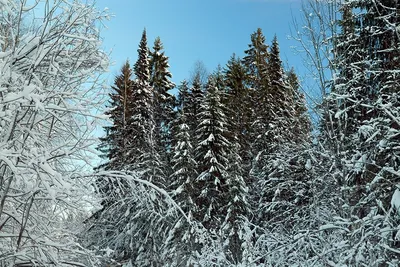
[[131, 177]]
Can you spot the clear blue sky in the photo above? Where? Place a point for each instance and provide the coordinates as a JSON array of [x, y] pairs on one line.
[[191, 30]]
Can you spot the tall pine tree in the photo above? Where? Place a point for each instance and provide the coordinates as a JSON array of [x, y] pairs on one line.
[[143, 155], [194, 100], [163, 101], [211, 155], [113, 145]]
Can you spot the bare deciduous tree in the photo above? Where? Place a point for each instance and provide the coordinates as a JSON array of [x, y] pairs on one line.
[[314, 34], [199, 72]]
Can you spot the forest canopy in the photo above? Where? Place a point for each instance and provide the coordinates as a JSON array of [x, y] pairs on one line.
[[228, 171]]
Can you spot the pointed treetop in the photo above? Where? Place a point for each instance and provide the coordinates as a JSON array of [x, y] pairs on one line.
[[256, 60], [183, 94], [275, 63], [142, 64], [235, 73], [158, 46], [292, 79]]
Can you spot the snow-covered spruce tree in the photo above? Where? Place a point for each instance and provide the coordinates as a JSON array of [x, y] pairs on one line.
[[281, 184], [181, 245], [364, 128], [275, 69], [237, 207], [256, 60], [239, 103], [47, 78], [183, 96], [301, 126], [144, 158], [164, 102], [142, 151], [211, 155], [180, 104], [256, 65], [113, 145], [194, 100], [278, 104], [184, 164], [119, 111]]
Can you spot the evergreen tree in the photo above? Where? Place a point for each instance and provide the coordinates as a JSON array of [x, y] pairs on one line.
[[301, 126], [275, 69], [280, 182], [183, 96], [256, 61], [184, 165], [163, 101], [144, 159], [183, 245], [119, 112], [115, 141], [141, 124], [237, 202], [212, 158], [142, 65], [256, 65], [194, 101], [239, 107], [142, 154], [278, 105]]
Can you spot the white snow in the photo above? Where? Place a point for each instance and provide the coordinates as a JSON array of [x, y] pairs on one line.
[[308, 164], [395, 202]]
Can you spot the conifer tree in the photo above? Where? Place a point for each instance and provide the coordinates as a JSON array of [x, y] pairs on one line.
[[282, 128], [163, 101], [256, 61], [184, 165], [142, 120], [237, 197], [275, 69], [181, 104], [194, 101], [256, 65], [142, 65], [302, 125], [239, 114], [119, 111], [144, 159], [183, 96], [278, 104], [143, 155], [239, 107], [113, 145], [212, 159]]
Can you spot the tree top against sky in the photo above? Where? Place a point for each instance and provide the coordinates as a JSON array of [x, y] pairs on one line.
[[209, 31]]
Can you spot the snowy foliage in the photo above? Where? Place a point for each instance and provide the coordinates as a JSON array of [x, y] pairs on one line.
[[47, 81], [361, 126], [211, 156]]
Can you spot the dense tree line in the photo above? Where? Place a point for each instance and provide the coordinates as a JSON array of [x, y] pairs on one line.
[[238, 156], [229, 171], [206, 146]]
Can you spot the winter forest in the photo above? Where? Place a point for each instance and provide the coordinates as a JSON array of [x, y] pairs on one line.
[[241, 167]]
